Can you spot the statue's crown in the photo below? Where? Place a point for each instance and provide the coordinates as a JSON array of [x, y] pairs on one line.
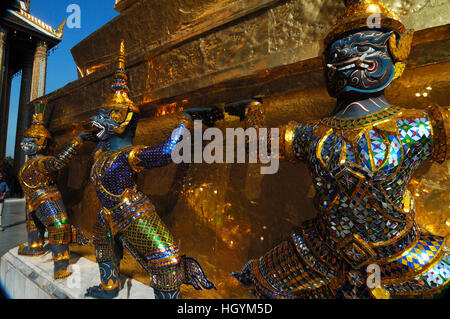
[[119, 100], [37, 128], [364, 14]]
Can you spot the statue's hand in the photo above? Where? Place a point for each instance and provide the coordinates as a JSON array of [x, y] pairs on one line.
[[189, 113], [240, 108], [99, 293], [88, 136], [208, 115], [251, 111]]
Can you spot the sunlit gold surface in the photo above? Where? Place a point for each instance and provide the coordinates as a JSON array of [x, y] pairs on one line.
[[121, 5], [225, 214], [170, 108], [431, 187]]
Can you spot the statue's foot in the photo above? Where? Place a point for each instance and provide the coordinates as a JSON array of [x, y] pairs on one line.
[[61, 274], [99, 293], [244, 277], [194, 275], [30, 251], [78, 236], [167, 294]]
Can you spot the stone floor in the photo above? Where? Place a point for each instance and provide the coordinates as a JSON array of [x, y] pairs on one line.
[[32, 278], [15, 231]]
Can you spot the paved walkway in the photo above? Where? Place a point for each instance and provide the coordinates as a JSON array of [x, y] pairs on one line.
[[15, 232]]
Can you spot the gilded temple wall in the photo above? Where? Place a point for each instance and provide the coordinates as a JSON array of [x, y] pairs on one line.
[[188, 53]]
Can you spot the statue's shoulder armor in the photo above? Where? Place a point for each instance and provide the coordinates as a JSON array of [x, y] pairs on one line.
[[392, 125], [33, 173], [295, 139], [133, 159], [102, 155], [103, 161], [427, 124], [34, 165], [410, 114]]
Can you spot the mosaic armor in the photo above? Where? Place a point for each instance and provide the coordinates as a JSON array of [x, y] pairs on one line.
[[365, 242], [360, 170], [46, 210], [129, 218]]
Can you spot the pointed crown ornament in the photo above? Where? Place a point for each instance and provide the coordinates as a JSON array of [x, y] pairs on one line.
[[37, 128], [118, 101], [373, 14], [60, 30]]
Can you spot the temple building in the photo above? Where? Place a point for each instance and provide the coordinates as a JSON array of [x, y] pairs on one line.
[[24, 43], [197, 53]]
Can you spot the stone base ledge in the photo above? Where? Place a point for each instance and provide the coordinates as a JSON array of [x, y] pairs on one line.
[[32, 278]]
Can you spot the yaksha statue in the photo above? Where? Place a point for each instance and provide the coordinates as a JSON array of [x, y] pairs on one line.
[[45, 208], [128, 218], [361, 160]]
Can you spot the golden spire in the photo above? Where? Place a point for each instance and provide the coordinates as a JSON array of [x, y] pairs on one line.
[[122, 55], [119, 100], [60, 29]]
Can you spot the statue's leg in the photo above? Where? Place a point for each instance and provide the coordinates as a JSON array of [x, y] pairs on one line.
[[150, 240], [108, 258], [35, 231], [52, 214], [78, 237], [282, 273]]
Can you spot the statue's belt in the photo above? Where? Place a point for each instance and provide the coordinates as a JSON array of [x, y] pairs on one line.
[[42, 195], [354, 249], [134, 206]]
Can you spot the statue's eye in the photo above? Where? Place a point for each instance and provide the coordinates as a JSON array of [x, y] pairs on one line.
[[332, 54], [364, 49]]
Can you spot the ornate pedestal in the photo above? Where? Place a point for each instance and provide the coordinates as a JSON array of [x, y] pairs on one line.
[[32, 278]]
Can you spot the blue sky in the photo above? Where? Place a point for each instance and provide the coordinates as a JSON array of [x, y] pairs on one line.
[[61, 68]]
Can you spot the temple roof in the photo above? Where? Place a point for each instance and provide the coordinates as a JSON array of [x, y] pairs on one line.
[[19, 17]]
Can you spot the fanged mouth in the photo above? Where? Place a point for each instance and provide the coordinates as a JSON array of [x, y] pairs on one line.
[[27, 148], [100, 127], [352, 63]]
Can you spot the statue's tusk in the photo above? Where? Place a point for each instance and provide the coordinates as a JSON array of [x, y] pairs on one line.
[[331, 66]]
